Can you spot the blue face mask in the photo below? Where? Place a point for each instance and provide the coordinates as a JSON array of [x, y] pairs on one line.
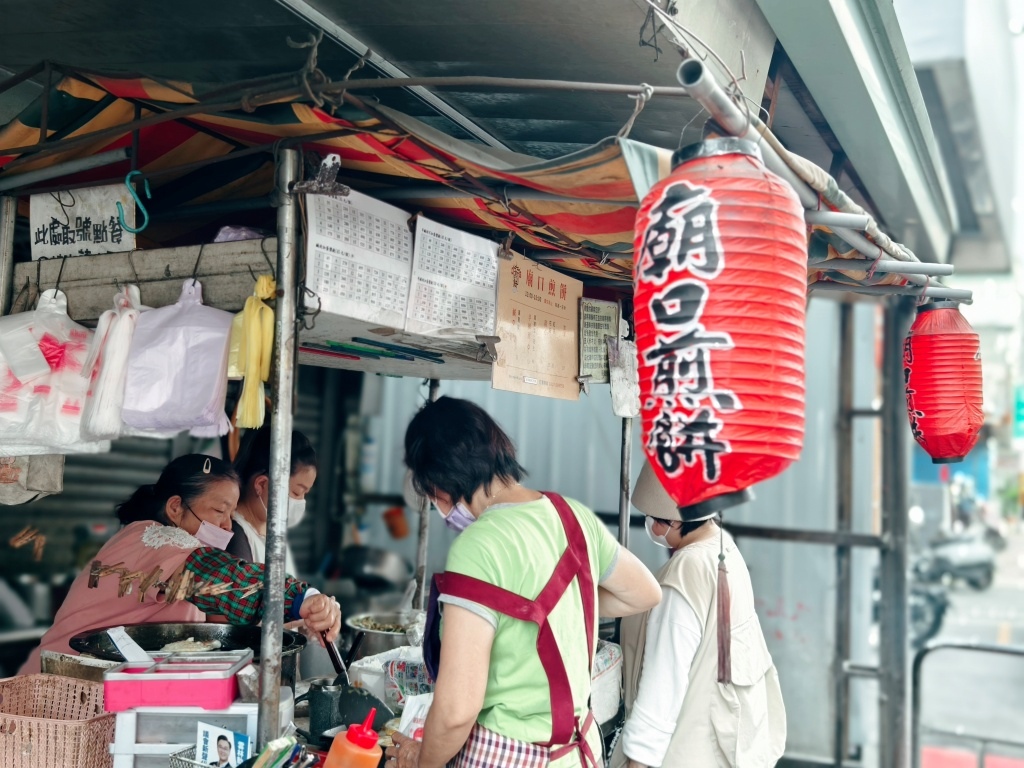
[[459, 518]]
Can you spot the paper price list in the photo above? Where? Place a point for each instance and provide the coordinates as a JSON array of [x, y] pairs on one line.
[[435, 304], [338, 276], [364, 229], [455, 261]]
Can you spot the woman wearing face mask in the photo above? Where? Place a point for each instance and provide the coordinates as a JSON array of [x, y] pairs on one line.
[[179, 525], [677, 710], [253, 467], [507, 693]]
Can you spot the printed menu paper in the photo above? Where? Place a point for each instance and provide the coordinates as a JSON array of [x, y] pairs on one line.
[[538, 324], [598, 319], [362, 263], [359, 257], [453, 282]]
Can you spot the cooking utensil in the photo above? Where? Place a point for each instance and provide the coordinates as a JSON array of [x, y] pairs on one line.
[[356, 643], [323, 698], [374, 568], [153, 637], [339, 666]]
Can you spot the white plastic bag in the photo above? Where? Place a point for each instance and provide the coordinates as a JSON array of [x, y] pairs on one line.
[[107, 365], [415, 716], [43, 415], [177, 368]]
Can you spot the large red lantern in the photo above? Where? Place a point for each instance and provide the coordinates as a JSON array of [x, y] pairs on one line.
[[942, 374], [720, 274]]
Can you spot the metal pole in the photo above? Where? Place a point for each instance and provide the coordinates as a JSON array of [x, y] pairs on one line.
[[844, 524], [423, 544], [280, 449], [624, 477], [893, 651], [64, 169], [8, 213]]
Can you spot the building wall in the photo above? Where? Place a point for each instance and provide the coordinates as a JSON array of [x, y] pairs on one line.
[[574, 448]]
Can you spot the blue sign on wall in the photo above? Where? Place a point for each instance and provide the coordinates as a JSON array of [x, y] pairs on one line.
[[975, 465]]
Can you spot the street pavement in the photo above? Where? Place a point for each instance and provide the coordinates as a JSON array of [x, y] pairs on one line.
[[973, 694]]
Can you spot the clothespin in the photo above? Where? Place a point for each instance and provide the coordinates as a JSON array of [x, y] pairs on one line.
[[584, 382], [326, 181], [94, 574], [505, 249], [488, 348]]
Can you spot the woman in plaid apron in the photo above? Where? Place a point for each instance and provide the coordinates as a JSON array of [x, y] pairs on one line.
[[525, 582]]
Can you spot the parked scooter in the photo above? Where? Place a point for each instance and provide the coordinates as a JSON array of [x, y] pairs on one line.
[[964, 557], [927, 606]]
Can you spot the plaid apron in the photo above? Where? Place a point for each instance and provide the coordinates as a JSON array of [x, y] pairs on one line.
[[484, 748]]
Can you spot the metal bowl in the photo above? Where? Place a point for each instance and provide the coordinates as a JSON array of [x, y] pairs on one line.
[[376, 641], [374, 568]]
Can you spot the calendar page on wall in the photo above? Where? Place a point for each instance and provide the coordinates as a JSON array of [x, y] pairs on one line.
[[454, 278], [359, 257]]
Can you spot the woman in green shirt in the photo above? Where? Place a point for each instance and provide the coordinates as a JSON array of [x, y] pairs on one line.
[[524, 585]]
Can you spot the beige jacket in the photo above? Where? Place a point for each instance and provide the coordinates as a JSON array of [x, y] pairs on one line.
[[736, 725]]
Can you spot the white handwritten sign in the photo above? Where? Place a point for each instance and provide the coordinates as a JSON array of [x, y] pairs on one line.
[[80, 222]]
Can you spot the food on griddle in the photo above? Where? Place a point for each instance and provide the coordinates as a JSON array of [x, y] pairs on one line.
[[373, 625], [191, 646]]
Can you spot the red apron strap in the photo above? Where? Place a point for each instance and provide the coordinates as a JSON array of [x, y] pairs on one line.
[[578, 543]]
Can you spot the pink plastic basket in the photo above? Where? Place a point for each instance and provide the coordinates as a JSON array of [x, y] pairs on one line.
[[180, 680], [49, 720]]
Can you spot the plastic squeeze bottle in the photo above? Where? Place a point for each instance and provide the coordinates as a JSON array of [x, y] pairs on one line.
[[356, 747]]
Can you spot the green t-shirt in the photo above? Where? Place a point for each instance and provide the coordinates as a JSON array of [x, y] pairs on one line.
[[516, 547]]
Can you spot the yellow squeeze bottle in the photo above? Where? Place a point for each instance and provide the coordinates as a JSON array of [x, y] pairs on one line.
[[356, 747]]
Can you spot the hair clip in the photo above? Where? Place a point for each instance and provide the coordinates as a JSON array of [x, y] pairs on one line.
[[207, 466]]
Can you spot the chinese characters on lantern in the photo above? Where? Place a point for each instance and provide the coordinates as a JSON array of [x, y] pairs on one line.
[[914, 414], [682, 255]]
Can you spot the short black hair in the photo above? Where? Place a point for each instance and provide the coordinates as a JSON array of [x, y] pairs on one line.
[[455, 447], [224, 738]]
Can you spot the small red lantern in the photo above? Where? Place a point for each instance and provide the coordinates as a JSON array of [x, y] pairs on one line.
[[942, 375], [720, 271]]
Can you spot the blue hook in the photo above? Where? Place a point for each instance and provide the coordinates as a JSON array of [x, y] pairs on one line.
[[138, 202]]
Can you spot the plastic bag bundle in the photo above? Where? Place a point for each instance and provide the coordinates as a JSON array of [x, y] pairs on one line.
[[177, 368], [252, 342], [107, 365], [41, 404]]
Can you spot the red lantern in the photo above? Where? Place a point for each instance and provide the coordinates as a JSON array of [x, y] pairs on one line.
[[720, 271], [942, 374]]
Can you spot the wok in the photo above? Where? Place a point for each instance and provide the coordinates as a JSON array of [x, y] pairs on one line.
[[153, 637]]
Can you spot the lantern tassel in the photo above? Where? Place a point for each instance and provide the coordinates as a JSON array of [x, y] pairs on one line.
[[724, 618]]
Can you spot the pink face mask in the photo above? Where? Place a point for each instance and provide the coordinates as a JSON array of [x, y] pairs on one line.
[[211, 535]]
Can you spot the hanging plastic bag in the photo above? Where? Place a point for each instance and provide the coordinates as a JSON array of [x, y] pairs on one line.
[[177, 368], [252, 342], [43, 415], [107, 365]]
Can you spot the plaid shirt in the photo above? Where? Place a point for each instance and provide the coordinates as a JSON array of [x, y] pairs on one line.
[[244, 603]]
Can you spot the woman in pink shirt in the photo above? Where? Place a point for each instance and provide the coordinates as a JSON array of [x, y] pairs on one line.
[[179, 525]]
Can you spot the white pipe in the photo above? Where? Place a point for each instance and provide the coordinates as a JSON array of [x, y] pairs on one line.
[[890, 266], [936, 292], [63, 169], [830, 219]]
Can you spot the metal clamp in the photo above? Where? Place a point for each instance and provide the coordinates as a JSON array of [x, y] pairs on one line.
[[584, 382], [326, 182], [488, 351]]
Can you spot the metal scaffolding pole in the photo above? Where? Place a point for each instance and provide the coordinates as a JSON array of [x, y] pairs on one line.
[[893, 652], [423, 543], [844, 525], [624, 473], [282, 379], [8, 213]]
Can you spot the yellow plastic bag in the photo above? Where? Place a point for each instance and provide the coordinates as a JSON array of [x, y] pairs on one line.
[[252, 341]]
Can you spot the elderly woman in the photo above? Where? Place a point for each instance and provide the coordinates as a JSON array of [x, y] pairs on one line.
[[678, 711], [525, 583], [179, 525]]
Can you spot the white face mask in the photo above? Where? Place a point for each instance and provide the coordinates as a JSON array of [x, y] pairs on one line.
[[661, 541], [296, 510]]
